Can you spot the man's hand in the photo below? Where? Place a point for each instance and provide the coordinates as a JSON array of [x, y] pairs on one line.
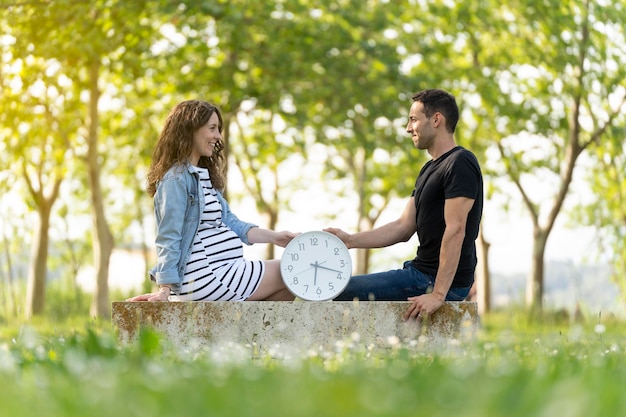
[[423, 305], [340, 234]]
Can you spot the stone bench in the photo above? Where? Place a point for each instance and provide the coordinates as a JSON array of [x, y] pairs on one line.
[[264, 324]]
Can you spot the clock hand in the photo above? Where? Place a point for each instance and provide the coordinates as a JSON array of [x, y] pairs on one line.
[[318, 264], [304, 270], [325, 267]]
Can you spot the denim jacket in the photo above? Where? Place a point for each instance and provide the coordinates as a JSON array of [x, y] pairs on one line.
[[178, 203]]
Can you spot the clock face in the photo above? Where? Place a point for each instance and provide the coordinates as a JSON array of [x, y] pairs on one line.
[[316, 266]]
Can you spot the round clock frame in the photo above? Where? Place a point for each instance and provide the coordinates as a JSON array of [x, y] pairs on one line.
[[316, 266]]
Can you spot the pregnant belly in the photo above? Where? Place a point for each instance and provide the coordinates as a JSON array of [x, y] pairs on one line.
[[222, 246]]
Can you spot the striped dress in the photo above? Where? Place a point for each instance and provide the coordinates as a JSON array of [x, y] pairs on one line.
[[216, 269]]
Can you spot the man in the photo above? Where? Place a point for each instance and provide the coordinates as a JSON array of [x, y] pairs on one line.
[[445, 209]]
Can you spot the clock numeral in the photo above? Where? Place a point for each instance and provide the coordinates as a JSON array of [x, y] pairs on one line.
[[316, 266]]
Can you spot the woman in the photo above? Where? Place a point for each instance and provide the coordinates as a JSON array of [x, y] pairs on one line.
[[198, 239]]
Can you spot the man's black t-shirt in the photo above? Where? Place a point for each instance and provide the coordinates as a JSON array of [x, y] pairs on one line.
[[455, 174]]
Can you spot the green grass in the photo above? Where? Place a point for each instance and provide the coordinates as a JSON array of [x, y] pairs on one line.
[[515, 366]]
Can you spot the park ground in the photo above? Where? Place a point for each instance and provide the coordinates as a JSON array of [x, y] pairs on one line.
[[514, 365]]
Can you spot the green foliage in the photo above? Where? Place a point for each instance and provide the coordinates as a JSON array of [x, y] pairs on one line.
[[607, 208], [508, 369], [65, 300], [339, 73]]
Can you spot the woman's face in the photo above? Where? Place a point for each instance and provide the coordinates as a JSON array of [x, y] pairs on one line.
[[205, 139]]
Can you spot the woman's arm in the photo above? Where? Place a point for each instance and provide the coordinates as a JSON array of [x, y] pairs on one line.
[[250, 233], [259, 235], [170, 204]]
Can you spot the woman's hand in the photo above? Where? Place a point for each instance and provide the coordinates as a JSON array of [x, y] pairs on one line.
[[259, 235], [283, 238], [162, 295]]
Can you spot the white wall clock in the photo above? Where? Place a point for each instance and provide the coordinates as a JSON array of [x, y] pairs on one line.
[[316, 266]]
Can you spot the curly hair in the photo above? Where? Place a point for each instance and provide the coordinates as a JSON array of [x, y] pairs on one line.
[[175, 143]]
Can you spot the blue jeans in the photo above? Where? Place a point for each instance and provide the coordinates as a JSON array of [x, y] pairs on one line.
[[395, 285]]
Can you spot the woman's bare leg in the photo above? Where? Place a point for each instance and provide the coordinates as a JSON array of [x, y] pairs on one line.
[[272, 287], [281, 295]]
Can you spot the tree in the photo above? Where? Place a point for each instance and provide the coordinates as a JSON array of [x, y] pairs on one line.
[[259, 154], [355, 99], [452, 50], [558, 69], [112, 34], [37, 110], [233, 47], [607, 209]]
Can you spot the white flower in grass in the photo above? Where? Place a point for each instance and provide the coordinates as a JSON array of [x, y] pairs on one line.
[[489, 346], [454, 342], [600, 328], [342, 345], [393, 341], [278, 351], [326, 355], [7, 362], [312, 353]]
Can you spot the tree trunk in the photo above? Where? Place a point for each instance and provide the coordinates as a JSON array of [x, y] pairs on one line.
[[483, 277], [362, 261], [102, 238], [10, 294], [37, 270], [534, 287], [363, 255], [273, 220]]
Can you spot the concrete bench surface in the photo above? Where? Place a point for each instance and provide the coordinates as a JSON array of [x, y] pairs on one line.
[[299, 323]]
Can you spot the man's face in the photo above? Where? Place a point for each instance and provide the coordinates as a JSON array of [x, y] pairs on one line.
[[420, 127]]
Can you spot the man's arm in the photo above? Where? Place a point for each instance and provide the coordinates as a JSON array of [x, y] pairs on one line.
[[456, 211], [399, 230]]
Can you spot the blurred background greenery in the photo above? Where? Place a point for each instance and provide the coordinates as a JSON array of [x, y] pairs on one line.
[[315, 96]]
